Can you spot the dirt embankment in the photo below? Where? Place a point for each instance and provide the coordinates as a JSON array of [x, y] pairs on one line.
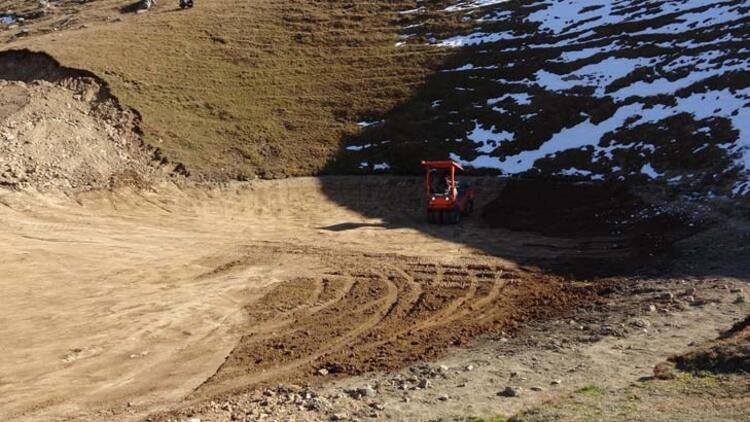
[[61, 128], [727, 354]]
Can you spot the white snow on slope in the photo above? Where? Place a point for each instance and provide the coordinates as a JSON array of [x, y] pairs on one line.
[[587, 134], [472, 4], [664, 46]]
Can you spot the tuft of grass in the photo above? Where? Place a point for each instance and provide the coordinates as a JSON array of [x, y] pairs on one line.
[[497, 418], [591, 390], [685, 398]]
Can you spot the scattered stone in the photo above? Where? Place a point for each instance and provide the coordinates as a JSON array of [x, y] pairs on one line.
[[337, 417], [652, 308], [698, 302], [510, 392], [322, 372], [734, 291], [640, 323], [469, 368], [443, 368], [667, 296], [537, 388], [367, 391], [443, 397], [424, 383], [740, 299], [193, 419], [556, 382]]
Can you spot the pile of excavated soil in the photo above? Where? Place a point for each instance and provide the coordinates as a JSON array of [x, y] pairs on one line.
[[730, 353], [70, 135]]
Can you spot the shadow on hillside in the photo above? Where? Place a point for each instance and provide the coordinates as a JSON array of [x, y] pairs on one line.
[[560, 224], [572, 229]]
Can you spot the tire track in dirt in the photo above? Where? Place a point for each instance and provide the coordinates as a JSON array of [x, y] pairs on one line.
[[377, 311]]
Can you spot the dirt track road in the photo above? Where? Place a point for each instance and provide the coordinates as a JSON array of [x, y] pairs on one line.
[[111, 298]]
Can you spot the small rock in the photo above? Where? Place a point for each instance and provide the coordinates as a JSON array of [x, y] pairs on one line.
[[193, 419], [443, 368], [698, 302], [509, 392], [337, 417], [667, 296], [443, 397], [537, 388], [556, 382], [377, 406], [424, 383], [664, 371], [322, 372], [740, 299], [733, 291], [652, 308], [469, 368], [641, 323], [367, 391]]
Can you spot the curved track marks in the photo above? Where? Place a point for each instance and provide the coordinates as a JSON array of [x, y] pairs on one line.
[[378, 311]]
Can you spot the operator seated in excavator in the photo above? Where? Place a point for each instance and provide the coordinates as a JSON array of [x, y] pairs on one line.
[[440, 182]]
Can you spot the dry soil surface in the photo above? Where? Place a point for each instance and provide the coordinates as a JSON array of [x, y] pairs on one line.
[[124, 296], [177, 301]]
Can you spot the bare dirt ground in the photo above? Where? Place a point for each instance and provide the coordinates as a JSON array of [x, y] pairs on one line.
[[140, 296], [192, 301]]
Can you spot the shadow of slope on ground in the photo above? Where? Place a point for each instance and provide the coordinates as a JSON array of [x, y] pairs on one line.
[[577, 230], [493, 106]]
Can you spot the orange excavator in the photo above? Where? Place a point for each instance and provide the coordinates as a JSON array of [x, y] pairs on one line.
[[447, 199]]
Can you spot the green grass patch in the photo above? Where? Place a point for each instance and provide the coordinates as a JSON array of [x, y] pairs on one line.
[[591, 390]]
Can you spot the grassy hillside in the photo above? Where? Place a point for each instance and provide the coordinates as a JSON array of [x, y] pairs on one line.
[[239, 88], [642, 92]]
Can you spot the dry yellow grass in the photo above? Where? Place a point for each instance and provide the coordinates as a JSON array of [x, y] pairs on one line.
[[243, 88]]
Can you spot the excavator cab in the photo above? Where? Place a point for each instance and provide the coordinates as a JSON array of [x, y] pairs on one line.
[[447, 201]]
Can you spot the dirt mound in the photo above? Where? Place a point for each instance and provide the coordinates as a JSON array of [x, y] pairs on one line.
[[62, 129], [730, 353]]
